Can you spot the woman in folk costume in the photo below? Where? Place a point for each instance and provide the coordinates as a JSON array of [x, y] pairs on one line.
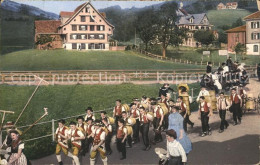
[[176, 123], [17, 157]]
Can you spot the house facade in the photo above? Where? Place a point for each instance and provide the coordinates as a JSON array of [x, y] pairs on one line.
[[236, 35], [253, 33], [193, 22], [229, 5], [83, 29]]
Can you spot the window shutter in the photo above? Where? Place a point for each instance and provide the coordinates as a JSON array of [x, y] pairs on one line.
[[252, 25], [252, 36]]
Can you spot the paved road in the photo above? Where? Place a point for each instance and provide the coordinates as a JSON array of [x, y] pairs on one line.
[[237, 145]]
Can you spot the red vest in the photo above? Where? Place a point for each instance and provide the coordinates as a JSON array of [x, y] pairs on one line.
[[236, 100], [158, 115], [183, 109], [135, 114], [97, 137], [206, 108], [120, 133], [82, 126], [165, 102], [241, 92], [144, 119], [89, 130], [118, 110], [76, 135], [62, 132]]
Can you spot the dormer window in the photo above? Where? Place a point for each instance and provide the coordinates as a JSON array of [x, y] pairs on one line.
[[87, 10], [191, 20]]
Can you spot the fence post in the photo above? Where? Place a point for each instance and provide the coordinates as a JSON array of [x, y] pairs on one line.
[[200, 62], [53, 130], [192, 93]]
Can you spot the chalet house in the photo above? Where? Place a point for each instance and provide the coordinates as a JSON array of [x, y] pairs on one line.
[[84, 28], [221, 6], [232, 5], [193, 22], [253, 33], [258, 4], [229, 5], [236, 35]]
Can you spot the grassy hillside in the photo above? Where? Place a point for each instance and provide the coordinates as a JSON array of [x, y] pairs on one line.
[[64, 101], [226, 17], [30, 60]]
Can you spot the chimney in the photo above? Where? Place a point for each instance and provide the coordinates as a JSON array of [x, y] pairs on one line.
[[258, 4]]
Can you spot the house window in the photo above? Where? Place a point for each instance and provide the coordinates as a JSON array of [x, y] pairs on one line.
[[254, 25], [101, 36], [100, 20], [109, 29], [87, 10], [83, 36], [91, 36], [202, 27], [207, 28], [196, 27], [74, 27], [92, 18], [83, 27], [255, 48], [101, 46], [92, 27], [255, 36], [82, 18], [100, 27], [91, 46], [73, 36], [83, 46], [191, 20], [64, 29], [74, 46]]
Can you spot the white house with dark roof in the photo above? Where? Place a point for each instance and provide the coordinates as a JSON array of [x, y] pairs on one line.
[[193, 22]]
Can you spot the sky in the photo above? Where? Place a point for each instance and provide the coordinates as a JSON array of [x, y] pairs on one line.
[[57, 6]]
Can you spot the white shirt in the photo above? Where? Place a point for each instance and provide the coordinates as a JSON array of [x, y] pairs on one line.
[[60, 129], [72, 132], [175, 149], [225, 69], [122, 109], [160, 111], [109, 127], [93, 117], [223, 104], [202, 106], [203, 93], [84, 127]]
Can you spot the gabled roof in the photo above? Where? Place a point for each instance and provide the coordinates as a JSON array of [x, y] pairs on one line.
[[66, 14], [47, 26], [184, 20], [255, 15], [237, 29], [79, 8], [221, 4]]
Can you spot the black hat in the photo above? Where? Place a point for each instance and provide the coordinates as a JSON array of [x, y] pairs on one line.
[[72, 123], [89, 119], [132, 104], [136, 99], [89, 108], [97, 122], [61, 121], [80, 117], [103, 112], [144, 97]]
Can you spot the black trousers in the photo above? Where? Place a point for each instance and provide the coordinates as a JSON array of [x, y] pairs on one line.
[[136, 129], [186, 121], [121, 146], [88, 142], [156, 123], [107, 142], [175, 160], [144, 128], [129, 140], [204, 121], [116, 120], [165, 121], [222, 115], [237, 112]]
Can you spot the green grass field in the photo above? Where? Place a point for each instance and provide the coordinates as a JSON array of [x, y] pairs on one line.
[[226, 17], [64, 101], [33, 60], [194, 54]]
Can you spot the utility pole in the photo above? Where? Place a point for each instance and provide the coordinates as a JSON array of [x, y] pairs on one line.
[[135, 36]]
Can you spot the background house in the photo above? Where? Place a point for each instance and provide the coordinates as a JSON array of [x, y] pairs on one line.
[[84, 28], [236, 35], [253, 33], [221, 6], [229, 5], [193, 22]]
